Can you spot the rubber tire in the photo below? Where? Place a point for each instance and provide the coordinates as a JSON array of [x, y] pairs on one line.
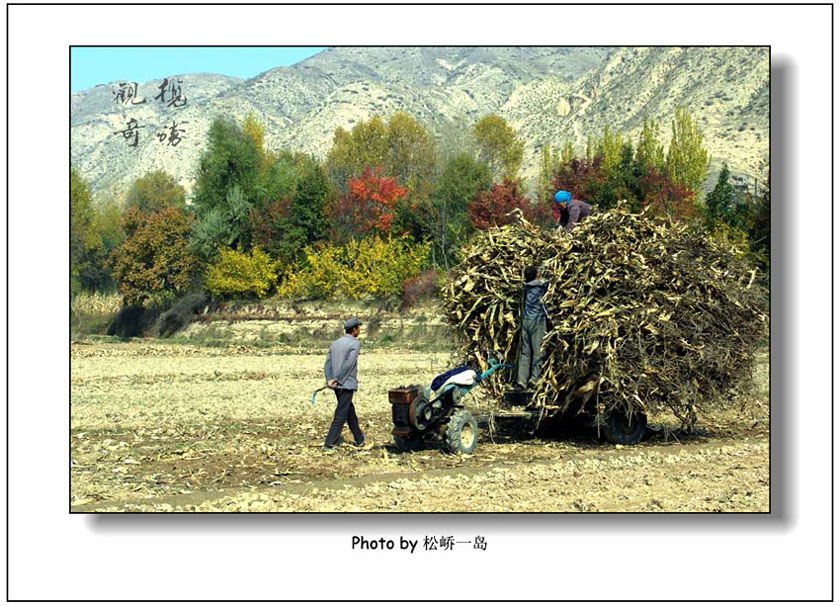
[[453, 434], [618, 431], [412, 442]]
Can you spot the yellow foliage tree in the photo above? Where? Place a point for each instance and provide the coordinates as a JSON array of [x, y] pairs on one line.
[[240, 274], [369, 268]]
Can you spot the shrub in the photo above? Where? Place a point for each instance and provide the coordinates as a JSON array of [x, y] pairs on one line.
[[240, 274], [370, 268], [320, 278], [380, 266], [182, 312]]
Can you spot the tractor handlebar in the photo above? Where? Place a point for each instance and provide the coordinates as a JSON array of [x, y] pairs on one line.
[[494, 366]]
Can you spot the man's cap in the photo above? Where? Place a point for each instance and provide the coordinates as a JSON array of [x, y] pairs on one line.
[[562, 196], [352, 323]]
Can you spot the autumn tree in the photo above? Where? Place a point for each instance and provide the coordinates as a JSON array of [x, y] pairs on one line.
[[666, 198], [365, 146], [567, 153], [402, 147], [285, 226], [609, 149], [233, 179], [253, 128], [687, 161], [277, 181], [154, 263], [155, 191], [411, 155], [583, 178], [368, 207], [499, 147], [276, 176], [109, 226], [495, 207], [228, 224]]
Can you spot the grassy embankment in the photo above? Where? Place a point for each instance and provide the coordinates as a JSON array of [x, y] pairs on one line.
[[280, 324]]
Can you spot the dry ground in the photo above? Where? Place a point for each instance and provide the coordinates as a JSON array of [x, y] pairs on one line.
[[162, 427]]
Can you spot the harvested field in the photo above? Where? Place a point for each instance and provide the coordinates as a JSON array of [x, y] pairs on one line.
[[157, 426]]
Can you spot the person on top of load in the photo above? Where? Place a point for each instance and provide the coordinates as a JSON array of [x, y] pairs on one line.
[[534, 320], [572, 211]]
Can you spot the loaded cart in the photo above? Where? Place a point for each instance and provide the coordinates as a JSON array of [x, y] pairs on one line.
[[437, 412]]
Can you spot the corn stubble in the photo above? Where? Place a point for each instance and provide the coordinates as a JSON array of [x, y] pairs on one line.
[[642, 315]]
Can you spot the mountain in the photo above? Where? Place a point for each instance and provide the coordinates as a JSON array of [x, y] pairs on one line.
[[550, 95]]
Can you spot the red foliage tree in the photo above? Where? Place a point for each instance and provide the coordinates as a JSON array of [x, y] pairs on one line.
[[494, 207], [665, 197], [369, 206]]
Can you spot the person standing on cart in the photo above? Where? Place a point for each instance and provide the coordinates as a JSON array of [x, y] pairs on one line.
[[340, 374], [534, 323]]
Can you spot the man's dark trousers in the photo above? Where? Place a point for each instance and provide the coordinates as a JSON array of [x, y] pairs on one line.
[[344, 412]]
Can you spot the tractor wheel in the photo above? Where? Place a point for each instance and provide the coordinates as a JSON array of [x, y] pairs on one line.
[[461, 433], [411, 442], [621, 430]]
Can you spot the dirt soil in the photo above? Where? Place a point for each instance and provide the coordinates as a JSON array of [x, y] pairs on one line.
[[161, 427]]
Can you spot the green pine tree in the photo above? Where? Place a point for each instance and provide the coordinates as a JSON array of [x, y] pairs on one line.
[[719, 201]]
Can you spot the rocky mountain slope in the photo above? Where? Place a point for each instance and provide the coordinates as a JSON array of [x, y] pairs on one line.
[[551, 95]]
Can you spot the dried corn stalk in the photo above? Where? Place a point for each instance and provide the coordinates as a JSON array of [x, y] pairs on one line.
[[642, 315]]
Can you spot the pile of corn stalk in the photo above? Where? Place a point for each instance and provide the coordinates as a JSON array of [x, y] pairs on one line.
[[642, 315]]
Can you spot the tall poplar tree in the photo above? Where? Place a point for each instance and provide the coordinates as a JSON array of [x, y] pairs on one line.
[[687, 161]]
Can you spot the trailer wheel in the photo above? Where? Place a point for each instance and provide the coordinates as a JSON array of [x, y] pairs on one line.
[[411, 442], [621, 430], [461, 433]]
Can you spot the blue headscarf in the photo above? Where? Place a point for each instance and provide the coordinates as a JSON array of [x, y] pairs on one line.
[[562, 196]]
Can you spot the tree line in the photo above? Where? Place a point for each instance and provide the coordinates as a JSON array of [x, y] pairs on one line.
[[383, 215]]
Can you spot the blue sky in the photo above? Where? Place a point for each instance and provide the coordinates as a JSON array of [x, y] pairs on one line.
[[92, 66]]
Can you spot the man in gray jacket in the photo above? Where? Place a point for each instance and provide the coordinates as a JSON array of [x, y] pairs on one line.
[[340, 373], [534, 320]]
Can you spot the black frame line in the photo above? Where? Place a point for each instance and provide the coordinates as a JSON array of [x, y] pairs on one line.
[[436, 45]]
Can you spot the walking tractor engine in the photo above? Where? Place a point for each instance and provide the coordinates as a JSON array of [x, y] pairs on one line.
[[418, 416]]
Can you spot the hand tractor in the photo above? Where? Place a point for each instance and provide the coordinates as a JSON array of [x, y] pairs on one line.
[[418, 416]]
